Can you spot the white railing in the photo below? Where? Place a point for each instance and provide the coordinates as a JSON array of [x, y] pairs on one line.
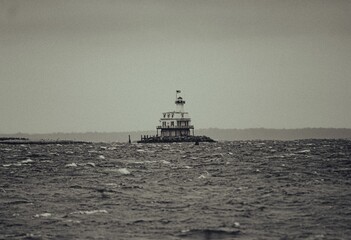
[[176, 127]]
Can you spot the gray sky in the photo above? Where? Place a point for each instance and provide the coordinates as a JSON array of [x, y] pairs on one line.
[[76, 66]]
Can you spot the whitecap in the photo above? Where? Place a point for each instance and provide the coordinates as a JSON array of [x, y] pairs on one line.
[[27, 161], [204, 175], [71, 165], [72, 221], [111, 184], [43, 215], [90, 212], [123, 171], [91, 164], [304, 151], [148, 161]]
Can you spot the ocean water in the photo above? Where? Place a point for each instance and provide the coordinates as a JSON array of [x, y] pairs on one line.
[[225, 190]]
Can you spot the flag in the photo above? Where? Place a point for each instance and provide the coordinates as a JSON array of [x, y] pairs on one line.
[[178, 91]]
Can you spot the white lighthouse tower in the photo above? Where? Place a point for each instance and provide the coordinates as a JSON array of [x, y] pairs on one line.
[[179, 104], [176, 123]]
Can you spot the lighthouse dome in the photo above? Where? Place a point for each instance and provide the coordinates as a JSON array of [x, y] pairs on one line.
[[179, 100]]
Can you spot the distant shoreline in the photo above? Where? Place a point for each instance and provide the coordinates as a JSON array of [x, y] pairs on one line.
[[215, 133]]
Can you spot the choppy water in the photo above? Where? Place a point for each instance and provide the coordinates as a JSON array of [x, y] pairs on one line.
[[225, 190]]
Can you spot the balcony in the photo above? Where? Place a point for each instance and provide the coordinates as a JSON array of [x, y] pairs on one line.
[[177, 118], [175, 127]]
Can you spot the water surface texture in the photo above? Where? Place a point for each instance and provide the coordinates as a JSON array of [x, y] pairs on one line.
[[225, 190]]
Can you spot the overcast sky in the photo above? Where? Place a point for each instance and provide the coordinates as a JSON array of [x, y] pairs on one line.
[[76, 66]]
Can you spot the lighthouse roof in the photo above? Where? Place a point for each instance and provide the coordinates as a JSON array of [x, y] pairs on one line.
[[174, 112], [179, 100]]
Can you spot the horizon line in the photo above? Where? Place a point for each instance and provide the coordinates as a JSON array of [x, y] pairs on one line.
[[199, 129]]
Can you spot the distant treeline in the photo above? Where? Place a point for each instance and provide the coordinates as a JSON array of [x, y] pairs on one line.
[[12, 138], [215, 133], [275, 134]]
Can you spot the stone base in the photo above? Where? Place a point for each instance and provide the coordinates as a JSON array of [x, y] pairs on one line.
[[155, 139]]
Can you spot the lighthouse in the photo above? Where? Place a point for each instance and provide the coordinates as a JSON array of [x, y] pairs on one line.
[[175, 126], [176, 123]]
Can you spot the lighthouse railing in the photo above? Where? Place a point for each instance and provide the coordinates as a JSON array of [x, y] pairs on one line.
[[176, 127]]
